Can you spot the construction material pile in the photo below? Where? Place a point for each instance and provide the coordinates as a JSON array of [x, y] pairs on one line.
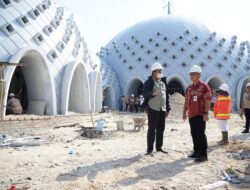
[[176, 102], [90, 132]]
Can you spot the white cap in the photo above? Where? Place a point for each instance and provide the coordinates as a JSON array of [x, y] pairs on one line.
[[11, 95], [156, 66], [224, 87], [248, 84], [195, 69], [132, 95]]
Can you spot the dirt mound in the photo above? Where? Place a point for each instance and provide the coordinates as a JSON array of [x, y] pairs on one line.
[[176, 103]]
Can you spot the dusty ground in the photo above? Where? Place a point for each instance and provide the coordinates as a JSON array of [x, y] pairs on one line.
[[117, 161]]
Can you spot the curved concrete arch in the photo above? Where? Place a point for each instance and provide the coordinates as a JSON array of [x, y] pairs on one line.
[[132, 86], [109, 99], [179, 79], [38, 77], [214, 81], [241, 89], [75, 95], [96, 91]]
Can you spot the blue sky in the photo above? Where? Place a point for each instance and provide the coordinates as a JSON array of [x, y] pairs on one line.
[[100, 20]]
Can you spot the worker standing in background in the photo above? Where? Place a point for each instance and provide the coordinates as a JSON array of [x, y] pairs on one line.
[[126, 102], [132, 103], [197, 105], [137, 103], [222, 112], [246, 108], [141, 99], [156, 96]]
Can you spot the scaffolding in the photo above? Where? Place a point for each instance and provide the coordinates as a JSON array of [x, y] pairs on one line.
[[3, 67]]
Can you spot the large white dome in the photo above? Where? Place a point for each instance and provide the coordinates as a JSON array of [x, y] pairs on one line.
[[177, 43]]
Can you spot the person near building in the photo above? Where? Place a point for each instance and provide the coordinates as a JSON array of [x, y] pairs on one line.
[[222, 109], [126, 102], [132, 103], [197, 105], [141, 100], [246, 108], [156, 102], [137, 103], [214, 98], [13, 105]]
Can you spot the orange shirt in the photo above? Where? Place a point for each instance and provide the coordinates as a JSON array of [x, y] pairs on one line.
[[222, 108]]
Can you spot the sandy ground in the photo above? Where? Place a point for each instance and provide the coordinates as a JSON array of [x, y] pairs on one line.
[[117, 161]]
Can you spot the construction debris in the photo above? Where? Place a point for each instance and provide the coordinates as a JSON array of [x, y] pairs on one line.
[[8, 141], [214, 185], [90, 132], [120, 125]]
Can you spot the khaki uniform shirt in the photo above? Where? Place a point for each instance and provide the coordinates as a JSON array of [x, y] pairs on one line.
[[158, 102]]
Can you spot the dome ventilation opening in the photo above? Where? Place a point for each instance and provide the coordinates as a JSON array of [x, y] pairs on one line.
[[52, 55], [48, 30], [8, 29], [219, 65], [202, 64], [38, 38], [5, 3], [34, 13], [23, 20], [165, 65], [60, 46]]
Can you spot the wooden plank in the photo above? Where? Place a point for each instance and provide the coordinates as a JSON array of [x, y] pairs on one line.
[[11, 64]]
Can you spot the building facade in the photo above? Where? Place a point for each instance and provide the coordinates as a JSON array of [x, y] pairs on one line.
[[177, 43], [59, 74]]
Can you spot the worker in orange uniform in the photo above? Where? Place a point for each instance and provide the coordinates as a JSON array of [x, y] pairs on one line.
[[222, 112]]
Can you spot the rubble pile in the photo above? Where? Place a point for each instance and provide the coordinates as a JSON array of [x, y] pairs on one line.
[[90, 132], [176, 103]]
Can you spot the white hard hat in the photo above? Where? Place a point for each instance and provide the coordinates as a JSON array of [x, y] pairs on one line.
[[11, 95], [132, 95], [195, 69], [224, 87], [248, 84], [156, 66]]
